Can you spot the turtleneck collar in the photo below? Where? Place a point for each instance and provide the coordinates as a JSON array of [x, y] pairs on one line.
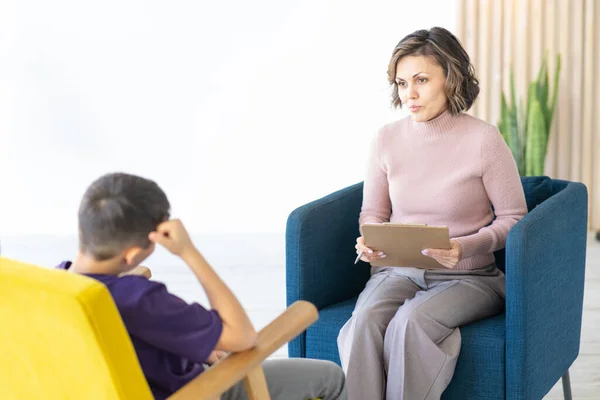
[[440, 125]]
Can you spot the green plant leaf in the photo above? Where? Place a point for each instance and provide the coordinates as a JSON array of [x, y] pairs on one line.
[[504, 123], [515, 140], [536, 141], [525, 123], [513, 94], [555, 92], [542, 88], [532, 91]]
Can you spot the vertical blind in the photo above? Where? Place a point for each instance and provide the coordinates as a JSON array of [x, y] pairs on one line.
[[504, 34]]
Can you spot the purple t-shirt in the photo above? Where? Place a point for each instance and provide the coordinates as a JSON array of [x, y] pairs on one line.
[[172, 338]]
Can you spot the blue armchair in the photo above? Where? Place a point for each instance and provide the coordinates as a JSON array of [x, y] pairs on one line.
[[519, 354]]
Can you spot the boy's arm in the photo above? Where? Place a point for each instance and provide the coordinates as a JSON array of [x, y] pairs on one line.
[[167, 322], [216, 380], [145, 271], [238, 333]]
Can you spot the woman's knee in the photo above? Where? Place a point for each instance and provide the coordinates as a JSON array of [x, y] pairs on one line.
[[405, 317], [370, 321]]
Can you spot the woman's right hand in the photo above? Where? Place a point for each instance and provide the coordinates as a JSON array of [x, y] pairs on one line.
[[369, 255]]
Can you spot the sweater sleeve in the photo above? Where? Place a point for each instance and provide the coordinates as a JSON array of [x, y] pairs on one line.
[[502, 183], [376, 205]]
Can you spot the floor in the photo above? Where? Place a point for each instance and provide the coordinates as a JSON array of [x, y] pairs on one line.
[[253, 265]]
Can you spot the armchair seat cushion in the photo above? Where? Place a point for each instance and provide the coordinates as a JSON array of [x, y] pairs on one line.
[[321, 337], [481, 363]]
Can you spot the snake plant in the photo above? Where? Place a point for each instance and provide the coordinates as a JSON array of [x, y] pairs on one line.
[[526, 130]]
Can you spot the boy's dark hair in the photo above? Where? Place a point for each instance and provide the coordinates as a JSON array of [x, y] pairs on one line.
[[118, 211]]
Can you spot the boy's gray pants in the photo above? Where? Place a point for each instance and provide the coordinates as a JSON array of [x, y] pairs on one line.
[[402, 341], [298, 379]]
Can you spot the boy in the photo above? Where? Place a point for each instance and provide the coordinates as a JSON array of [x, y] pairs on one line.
[[121, 218]]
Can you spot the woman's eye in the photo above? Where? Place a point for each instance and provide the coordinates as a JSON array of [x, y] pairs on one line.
[[401, 84], [422, 80]]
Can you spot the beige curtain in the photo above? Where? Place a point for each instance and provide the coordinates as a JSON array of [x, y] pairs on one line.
[[500, 34]]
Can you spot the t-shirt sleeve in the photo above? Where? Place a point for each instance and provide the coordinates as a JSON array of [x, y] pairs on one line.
[[167, 322]]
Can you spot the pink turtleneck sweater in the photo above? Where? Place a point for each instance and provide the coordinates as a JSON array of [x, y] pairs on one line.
[[446, 171]]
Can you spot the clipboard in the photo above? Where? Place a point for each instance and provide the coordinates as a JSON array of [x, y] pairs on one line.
[[403, 243]]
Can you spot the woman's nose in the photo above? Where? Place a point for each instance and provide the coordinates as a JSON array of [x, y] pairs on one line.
[[412, 93]]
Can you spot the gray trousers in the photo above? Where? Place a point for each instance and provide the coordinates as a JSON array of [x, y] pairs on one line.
[[402, 341], [298, 379]]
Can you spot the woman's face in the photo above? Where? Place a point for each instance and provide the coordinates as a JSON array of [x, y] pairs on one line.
[[421, 87]]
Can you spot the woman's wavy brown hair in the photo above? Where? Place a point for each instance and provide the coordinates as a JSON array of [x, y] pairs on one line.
[[462, 87]]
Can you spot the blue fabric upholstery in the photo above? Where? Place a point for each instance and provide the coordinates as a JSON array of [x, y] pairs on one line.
[[519, 354], [312, 262], [322, 333], [537, 189]]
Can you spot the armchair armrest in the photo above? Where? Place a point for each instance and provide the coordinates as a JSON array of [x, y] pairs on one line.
[[545, 268], [247, 364], [320, 239]]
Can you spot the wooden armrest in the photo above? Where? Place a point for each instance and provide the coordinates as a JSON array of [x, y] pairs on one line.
[[139, 270], [226, 373]]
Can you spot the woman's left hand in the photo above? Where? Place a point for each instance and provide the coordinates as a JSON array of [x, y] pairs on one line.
[[448, 258]]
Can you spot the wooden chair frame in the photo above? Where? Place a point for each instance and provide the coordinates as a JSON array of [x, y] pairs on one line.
[[246, 365]]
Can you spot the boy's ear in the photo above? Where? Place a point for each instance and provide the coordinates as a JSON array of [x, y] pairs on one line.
[[135, 255]]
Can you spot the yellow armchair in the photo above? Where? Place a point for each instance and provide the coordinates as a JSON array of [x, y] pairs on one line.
[[61, 337]]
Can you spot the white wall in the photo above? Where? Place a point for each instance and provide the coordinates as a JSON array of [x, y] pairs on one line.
[[241, 110]]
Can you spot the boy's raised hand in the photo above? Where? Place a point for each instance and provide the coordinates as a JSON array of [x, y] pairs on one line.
[[173, 236], [238, 334]]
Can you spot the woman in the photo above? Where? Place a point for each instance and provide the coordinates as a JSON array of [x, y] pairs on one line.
[[439, 166]]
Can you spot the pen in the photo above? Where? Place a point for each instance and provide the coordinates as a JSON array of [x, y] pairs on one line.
[[358, 257]]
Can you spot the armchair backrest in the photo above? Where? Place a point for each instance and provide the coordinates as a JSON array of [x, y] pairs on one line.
[[537, 189], [62, 338]]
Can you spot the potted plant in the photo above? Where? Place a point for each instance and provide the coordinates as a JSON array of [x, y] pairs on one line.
[[526, 128], [526, 131]]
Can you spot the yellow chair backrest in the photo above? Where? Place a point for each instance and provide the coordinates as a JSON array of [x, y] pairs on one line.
[[61, 337]]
